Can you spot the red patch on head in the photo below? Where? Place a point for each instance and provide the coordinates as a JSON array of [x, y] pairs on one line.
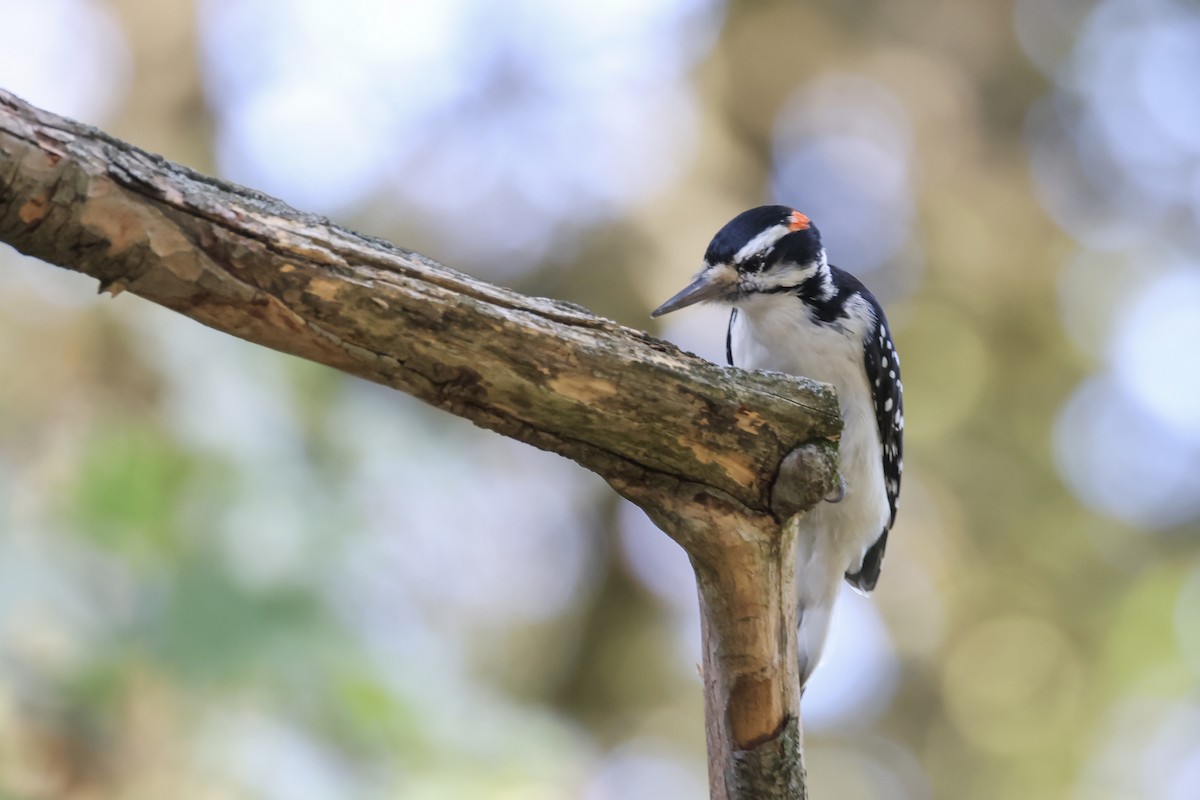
[[798, 222]]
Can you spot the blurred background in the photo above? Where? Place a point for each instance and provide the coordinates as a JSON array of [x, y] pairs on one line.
[[226, 573]]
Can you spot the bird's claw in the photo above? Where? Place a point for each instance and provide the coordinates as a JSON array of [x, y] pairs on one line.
[[839, 491]]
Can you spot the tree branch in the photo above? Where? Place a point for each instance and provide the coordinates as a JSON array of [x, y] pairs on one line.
[[705, 450]]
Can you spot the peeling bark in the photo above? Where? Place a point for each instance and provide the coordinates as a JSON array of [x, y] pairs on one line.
[[721, 459]]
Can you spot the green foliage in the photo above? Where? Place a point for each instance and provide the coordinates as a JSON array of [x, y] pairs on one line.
[[207, 628], [131, 489]]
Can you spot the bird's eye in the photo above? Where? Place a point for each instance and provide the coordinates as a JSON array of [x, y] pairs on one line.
[[755, 263]]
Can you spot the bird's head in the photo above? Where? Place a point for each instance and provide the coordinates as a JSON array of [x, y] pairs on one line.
[[764, 250]]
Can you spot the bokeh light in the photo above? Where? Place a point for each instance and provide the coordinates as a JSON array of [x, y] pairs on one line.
[[1013, 684], [1123, 461], [1114, 153], [519, 124], [842, 148], [68, 55], [1154, 339], [641, 770], [1151, 749]]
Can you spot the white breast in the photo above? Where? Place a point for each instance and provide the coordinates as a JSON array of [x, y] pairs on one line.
[[776, 332]]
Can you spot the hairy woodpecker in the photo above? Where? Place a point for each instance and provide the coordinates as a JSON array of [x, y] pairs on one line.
[[793, 312]]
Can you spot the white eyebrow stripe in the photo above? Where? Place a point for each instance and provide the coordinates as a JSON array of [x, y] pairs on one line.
[[760, 242]]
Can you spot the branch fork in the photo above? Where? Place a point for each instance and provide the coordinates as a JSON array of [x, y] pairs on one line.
[[722, 460]]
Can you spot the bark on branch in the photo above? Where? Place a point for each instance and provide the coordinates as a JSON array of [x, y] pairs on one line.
[[705, 450]]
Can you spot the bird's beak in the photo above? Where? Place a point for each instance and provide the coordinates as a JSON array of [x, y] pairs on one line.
[[712, 283]]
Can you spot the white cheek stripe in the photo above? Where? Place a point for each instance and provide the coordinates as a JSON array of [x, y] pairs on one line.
[[787, 277]]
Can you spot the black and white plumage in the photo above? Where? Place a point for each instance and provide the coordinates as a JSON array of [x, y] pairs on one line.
[[794, 313]]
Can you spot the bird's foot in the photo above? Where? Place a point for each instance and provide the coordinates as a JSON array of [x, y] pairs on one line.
[[839, 491]]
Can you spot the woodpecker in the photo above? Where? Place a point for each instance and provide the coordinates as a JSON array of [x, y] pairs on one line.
[[793, 312]]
